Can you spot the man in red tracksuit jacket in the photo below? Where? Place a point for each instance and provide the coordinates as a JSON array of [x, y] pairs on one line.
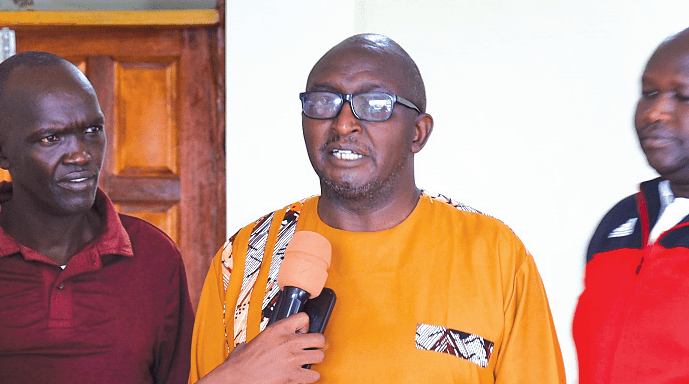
[[631, 323]]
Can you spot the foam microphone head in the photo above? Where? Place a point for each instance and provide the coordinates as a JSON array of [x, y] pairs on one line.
[[306, 263]]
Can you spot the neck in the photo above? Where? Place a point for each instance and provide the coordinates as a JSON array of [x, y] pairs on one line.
[[58, 237], [376, 213]]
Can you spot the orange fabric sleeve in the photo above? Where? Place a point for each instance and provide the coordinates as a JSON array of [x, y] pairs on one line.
[[208, 348], [529, 343]]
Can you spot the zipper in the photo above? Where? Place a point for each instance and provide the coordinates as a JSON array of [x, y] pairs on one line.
[[638, 268]]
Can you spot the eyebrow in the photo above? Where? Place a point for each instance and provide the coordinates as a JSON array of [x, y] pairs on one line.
[[51, 129]]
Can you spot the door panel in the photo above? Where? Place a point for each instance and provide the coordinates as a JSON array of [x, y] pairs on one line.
[[146, 111]]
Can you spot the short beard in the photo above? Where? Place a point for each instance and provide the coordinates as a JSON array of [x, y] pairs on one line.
[[368, 193], [346, 191]]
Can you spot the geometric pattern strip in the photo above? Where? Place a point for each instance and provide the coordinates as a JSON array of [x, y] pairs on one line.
[[470, 347], [287, 228], [444, 199], [254, 257]]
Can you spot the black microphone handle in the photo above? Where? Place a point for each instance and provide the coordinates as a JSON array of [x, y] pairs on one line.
[[292, 302]]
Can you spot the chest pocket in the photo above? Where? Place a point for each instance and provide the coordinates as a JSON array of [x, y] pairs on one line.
[[466, 346]]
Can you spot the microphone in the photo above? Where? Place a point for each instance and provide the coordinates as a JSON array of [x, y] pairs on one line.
[[302, 274]]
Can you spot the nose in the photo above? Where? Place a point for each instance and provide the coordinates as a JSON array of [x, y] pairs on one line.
[[660, 108], [77, 152], [345, 122]]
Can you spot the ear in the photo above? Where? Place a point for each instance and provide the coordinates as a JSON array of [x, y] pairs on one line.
[[423, 126]]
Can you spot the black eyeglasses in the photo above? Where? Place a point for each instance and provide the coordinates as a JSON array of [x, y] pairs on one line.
[[368, 106]]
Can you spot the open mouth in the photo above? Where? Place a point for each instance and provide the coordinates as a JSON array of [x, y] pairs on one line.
[[346, 154], [79, 182]]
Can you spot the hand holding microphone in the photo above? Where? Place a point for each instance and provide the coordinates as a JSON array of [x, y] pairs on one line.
[[275, 356], [280, 353]]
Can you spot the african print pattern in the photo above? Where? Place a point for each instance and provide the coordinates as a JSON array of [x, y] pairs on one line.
[[444, 199], [258, 240], [227, 263], [474, 348], [287, 228], [254, 257]]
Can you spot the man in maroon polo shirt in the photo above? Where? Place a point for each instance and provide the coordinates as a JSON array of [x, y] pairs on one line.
[[86, 295]]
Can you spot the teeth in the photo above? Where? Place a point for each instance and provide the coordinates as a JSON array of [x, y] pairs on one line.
[[346, 154], [79, 180]]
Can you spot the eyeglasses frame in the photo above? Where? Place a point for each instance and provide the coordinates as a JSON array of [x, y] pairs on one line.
[[349, 97]]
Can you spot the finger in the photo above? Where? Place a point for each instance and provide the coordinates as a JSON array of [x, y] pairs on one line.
[[304, 329], [308, 376], [294, 323], [311, 356], [308, 341]]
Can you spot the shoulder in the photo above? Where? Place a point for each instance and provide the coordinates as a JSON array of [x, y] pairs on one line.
[[147, 238], [467, 215], [259, 228], [476, 233], [287, 214], [478, 238], [253, 237], [623, 209], [620, 227]]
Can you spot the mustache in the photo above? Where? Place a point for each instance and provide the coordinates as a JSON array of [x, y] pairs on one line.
[[339, 139]]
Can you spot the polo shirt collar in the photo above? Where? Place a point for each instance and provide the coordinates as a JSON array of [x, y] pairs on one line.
[[113, 239]]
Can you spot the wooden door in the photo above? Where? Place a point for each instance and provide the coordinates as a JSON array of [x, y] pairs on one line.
[[161, 89]]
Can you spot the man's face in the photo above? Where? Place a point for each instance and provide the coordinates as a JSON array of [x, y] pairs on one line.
[[662, 113], [53, 139], [356, 158]]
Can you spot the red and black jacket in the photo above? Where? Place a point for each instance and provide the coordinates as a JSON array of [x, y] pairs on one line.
[[632, 321]]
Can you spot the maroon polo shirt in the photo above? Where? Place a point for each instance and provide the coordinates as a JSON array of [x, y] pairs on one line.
[[118, 313]]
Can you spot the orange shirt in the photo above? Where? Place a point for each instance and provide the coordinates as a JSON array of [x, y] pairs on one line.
[[442, 276]]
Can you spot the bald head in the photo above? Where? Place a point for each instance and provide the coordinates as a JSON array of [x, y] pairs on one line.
[[33, 60], [678, 40], [24, 75], [384, 48], [677, 44]]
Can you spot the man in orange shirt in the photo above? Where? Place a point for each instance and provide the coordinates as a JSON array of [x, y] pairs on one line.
[[429, 290]]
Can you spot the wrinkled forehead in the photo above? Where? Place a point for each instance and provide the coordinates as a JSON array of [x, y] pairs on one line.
[[33, 92], [380, 64]]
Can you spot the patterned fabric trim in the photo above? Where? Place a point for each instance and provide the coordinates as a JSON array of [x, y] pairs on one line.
[[227, 263], [444, 199], [470, 347], [258, 240], [287, 229], [254, 257]]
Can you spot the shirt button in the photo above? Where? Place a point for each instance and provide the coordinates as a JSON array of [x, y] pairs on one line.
[[61, 286]]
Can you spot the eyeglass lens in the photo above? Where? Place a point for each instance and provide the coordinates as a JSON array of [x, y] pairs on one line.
[[372, 106]]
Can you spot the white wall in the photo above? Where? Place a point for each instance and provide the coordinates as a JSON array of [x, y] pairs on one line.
[[533, 104]]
